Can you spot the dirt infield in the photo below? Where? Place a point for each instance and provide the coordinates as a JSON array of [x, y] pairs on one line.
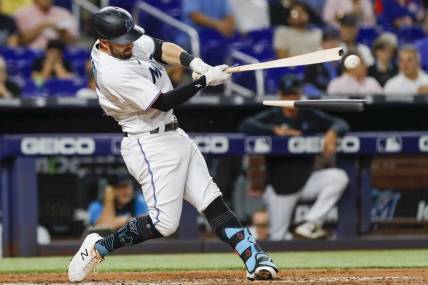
[[318, 277]]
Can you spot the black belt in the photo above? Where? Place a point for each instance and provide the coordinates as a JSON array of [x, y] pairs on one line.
[[168, 127]]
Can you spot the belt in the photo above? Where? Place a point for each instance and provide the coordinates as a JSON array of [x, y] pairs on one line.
[[167, 128]]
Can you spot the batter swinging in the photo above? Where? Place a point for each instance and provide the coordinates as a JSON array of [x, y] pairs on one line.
[[133, 87]]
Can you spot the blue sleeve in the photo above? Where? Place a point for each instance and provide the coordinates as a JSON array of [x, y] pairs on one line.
[[190, 6], [325, 121], [140, 206], [260, 124], [94, 211]]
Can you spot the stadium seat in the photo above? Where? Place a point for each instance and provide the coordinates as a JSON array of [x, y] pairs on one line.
[[215, 47], [422, 46], [29, 89], [78, 57], [171, 7], [408, 35], [62, 87], [19, 60], [258, 44], [156, 28], [367, 35]]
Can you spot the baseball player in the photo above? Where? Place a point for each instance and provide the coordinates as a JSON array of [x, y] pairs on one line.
[[133, 87]]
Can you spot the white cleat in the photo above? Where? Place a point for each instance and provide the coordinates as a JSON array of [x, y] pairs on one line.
[[310, 231], [85, 260], [265, 269]]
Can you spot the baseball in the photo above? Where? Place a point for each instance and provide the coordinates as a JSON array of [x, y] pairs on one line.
[[352, 61]]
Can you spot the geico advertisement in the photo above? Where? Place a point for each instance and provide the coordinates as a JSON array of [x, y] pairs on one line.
[[212, 144], [348, 144], [423, 143], [57, 145]]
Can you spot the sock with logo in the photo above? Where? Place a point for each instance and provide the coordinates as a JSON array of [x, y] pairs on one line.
[[137, 230]]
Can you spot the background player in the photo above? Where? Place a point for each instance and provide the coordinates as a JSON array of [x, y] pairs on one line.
[[133, 87]]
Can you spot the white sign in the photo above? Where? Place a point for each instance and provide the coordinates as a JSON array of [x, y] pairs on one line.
[[348, 144], [57, 145], [212, 144]]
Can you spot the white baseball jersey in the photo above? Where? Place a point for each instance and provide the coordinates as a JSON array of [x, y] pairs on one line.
[[127, 88], [168, 165]]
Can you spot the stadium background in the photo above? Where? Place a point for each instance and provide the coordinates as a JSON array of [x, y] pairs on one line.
[[386, 206]]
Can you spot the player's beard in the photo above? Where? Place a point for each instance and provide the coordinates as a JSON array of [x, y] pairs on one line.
[[121, 54]]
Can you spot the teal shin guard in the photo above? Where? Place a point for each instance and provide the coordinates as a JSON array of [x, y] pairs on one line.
[[246, 247], [228, 228]]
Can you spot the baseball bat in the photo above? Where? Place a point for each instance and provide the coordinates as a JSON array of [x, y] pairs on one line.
[[303, 59], [337, 105]]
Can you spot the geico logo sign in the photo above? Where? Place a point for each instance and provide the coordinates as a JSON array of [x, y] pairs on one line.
[[423, 143], [64, 146], [212, 144], [348, 144]]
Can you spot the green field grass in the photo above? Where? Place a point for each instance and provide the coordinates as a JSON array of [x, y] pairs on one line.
[[185, 262]]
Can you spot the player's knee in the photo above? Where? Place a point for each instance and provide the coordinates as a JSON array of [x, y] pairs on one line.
[[167, 228], [340, 178]]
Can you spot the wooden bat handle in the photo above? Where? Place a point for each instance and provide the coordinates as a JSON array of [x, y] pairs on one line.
[[233, 69]]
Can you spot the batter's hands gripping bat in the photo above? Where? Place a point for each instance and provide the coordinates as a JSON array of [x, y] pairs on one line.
[[304, 59], [337, 105]]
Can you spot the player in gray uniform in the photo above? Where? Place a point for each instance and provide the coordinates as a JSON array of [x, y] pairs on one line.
[[134, 88]]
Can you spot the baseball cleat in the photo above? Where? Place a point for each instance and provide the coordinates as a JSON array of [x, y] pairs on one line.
[[265, 268], [85, 260], [310, 230]]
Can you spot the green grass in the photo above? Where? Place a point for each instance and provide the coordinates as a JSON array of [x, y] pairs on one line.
[[183, 262]]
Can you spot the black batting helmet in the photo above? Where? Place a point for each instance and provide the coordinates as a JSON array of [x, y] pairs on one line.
[[116, 25]]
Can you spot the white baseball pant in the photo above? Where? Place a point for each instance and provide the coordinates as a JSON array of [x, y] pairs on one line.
[[325, 186], [169, 168]]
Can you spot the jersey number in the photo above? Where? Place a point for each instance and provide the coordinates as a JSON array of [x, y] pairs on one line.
[[155, 72]]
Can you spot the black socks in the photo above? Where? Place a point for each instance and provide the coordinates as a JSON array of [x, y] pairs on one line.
[[137, 230]]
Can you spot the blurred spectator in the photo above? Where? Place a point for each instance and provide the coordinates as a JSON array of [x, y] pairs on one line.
[[8, 31], [260, 225], [349, 28], [354, 82], [317, 76], [280, 12], [334, 10], [52, 64], [250, 15], [384, 67], [213, 14], [297, 38], [41, 22], [11, 6], [120, 203], [292, 178], [411, 80], [8, 88], [316, 5], [401, 13]]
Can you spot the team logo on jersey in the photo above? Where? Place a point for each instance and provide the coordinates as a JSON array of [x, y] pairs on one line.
[[156, 72]]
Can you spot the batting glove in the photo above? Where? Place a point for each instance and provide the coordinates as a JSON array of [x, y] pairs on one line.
[[199, 66], [217, 75]]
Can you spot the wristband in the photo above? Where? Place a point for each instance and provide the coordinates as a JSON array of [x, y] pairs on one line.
[[186, 58]]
